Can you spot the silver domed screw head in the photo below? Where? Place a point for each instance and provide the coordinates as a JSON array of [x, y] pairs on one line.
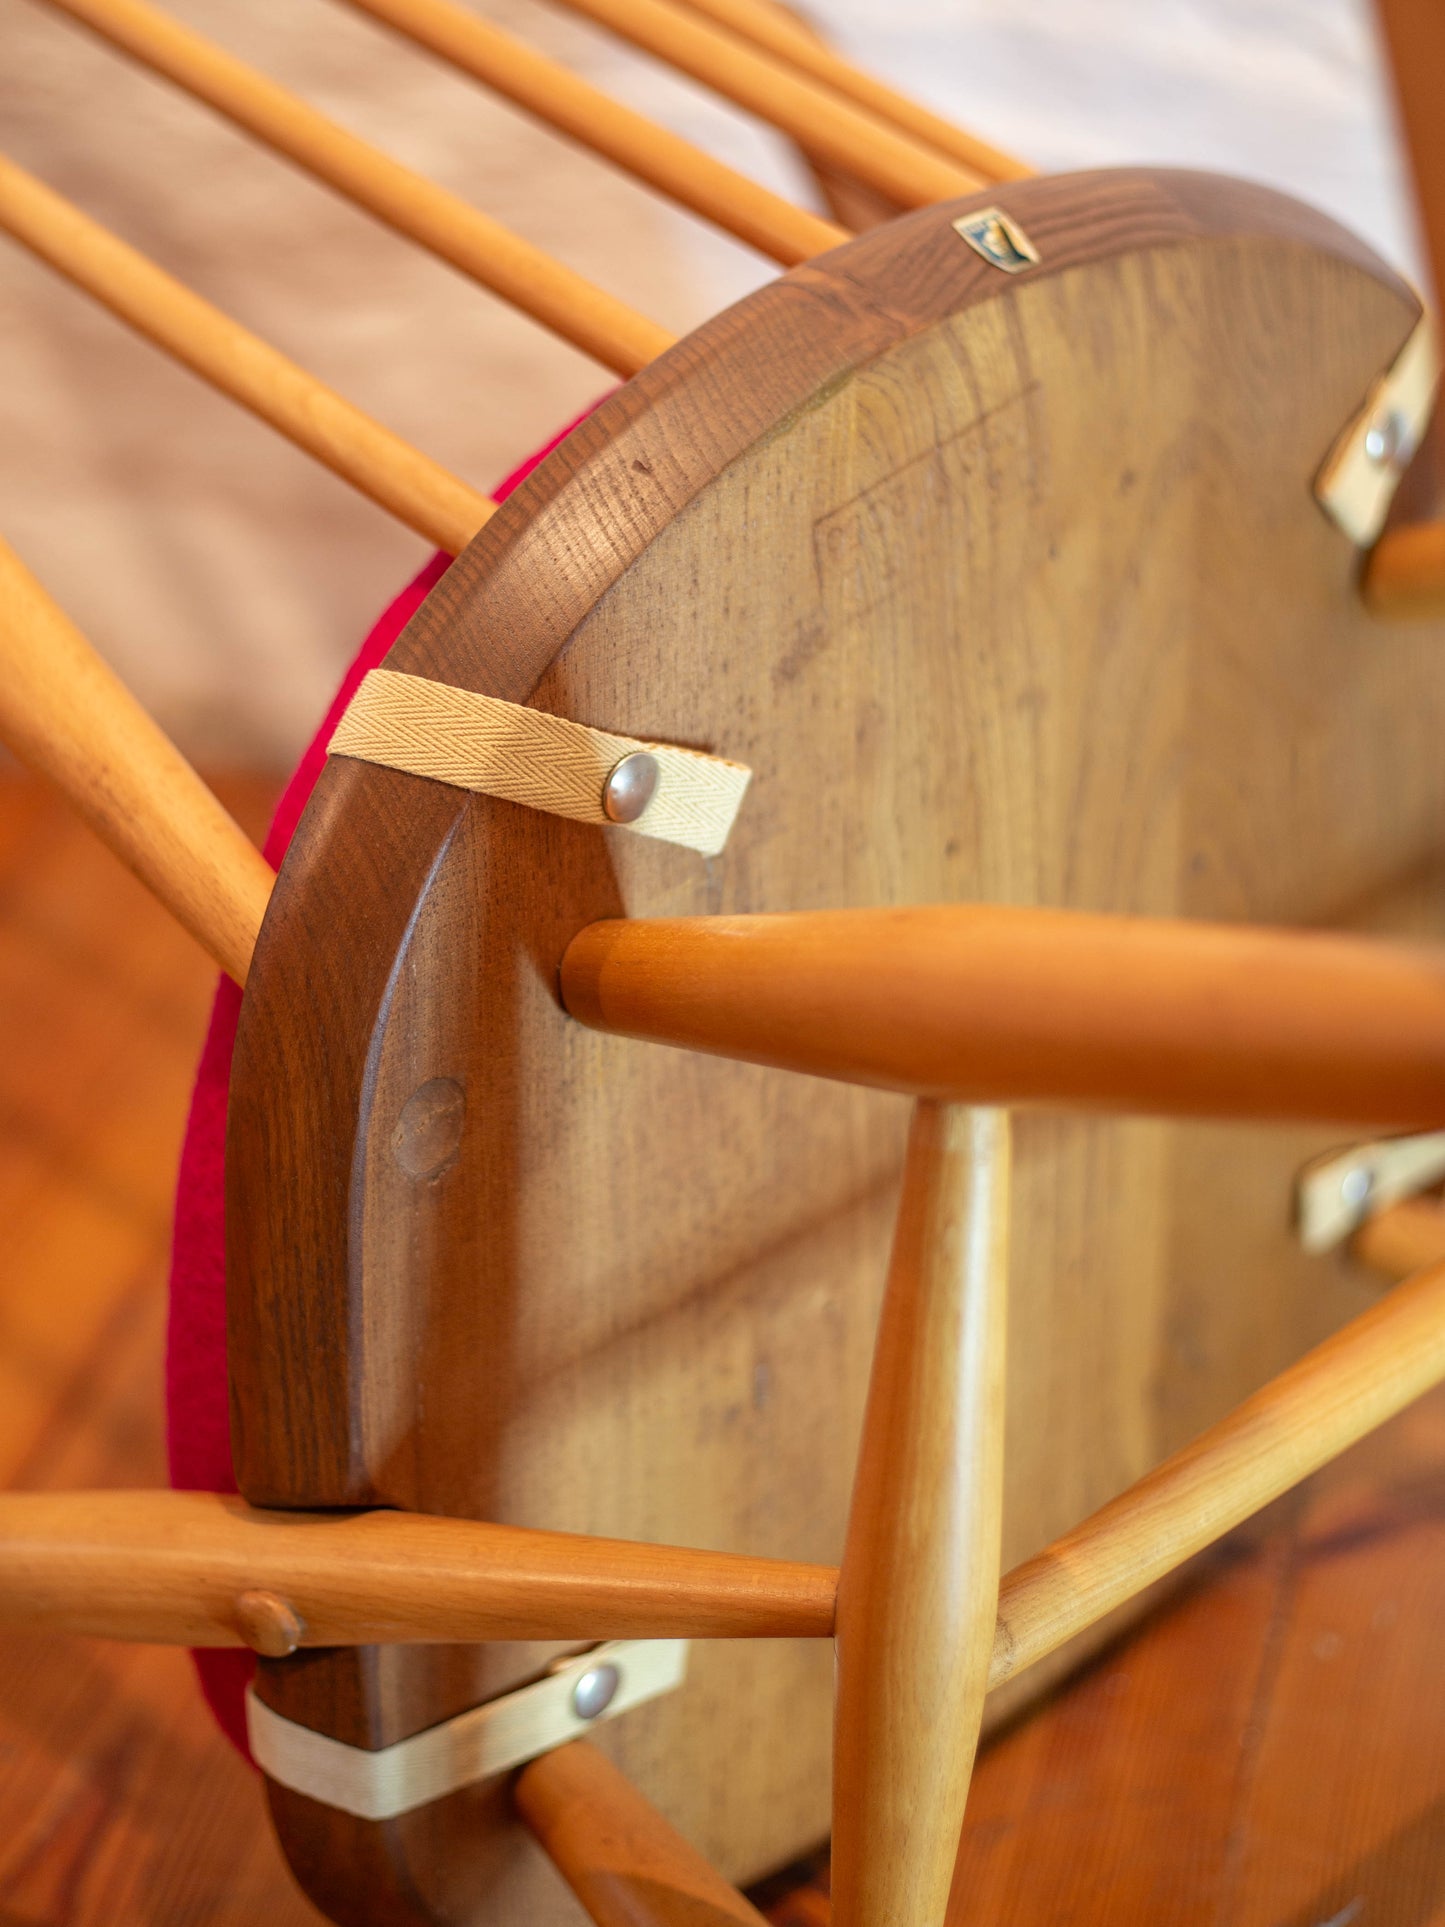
[[630, 787], [1385, 440], [595, 1691], [1356, 1186]]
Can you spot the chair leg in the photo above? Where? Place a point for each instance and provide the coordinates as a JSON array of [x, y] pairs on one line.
[[627, 1865], [918, 1591]]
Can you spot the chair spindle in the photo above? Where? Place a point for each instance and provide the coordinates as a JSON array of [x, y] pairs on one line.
[[993, 1004], [774, 29], [627, 1865], [65, 713], [562, 100], [817, 118], [417, 490], [171, 1562], [1403, 1239], [562, 300], [918, 1590], [1368, 1371]]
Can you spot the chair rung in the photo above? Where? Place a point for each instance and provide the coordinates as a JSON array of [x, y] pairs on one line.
[[1405, 572], [1403, 1239], [205, 1569], [1367, 1372], [170, 1567], [627, 1865], [987, 1004]]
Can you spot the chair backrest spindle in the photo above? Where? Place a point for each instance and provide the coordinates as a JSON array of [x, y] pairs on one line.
[[562, 100], [417, 490], [823, 123], [1002, 1004], [562, 300], [774, 29]]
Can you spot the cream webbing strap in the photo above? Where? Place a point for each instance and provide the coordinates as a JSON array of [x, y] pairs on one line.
[[1357, 483], [487, 1739], [528, 756]]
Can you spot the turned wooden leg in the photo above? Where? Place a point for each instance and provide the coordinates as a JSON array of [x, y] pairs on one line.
[[627, 1865], [918, 1593]]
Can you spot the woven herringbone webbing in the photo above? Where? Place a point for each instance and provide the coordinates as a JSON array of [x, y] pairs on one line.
[[528, 756]]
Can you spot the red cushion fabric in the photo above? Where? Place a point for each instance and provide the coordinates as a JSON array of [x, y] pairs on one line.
[[197, 1416]]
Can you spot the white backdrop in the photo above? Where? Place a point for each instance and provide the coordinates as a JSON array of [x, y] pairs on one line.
[[228, 576]]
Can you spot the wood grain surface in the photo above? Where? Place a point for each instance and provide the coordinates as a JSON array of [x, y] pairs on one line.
[[1008, 588], [1266, 1752]]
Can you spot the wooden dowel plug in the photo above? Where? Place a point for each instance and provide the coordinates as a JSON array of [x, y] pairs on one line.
[[65, 713], [653, 154], [594, 321], [1377, 1365], [627, 1865], [204, 1569], [416, 490], [818, 119], [918, 1591], [987, 1004], [774, 29]]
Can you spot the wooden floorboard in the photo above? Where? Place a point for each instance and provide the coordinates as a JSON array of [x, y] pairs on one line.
[[1268, 1752], [119, 1802]]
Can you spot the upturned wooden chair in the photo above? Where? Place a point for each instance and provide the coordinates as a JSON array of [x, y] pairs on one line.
[[965, 671]]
